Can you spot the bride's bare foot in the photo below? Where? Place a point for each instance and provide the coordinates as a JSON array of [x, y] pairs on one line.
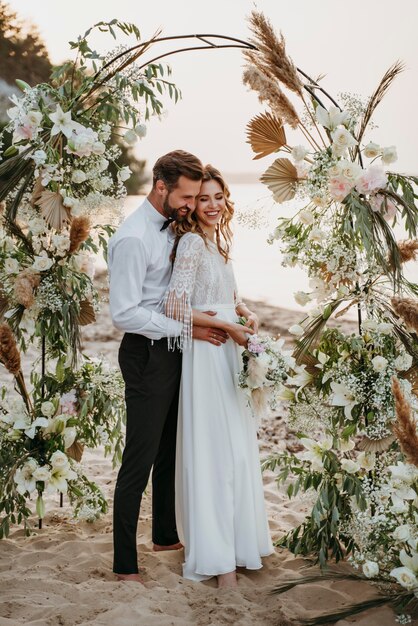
[[174, 546], [135, 578], [227, 580]]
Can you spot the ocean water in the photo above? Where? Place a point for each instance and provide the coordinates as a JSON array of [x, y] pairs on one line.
[[257, 264]]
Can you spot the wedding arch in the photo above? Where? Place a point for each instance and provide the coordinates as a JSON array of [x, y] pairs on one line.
[[351, 398]]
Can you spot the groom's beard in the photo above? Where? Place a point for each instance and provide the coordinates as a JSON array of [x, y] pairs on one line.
[[174, 213]]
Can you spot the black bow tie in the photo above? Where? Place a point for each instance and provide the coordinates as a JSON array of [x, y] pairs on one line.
[[167, 223]]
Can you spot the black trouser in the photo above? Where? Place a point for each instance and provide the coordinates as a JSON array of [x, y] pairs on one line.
[[152, 376]]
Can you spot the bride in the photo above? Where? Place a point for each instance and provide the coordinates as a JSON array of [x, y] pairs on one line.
[[220, 509]]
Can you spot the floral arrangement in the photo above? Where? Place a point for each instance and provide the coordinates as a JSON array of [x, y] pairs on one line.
[[61, 194], [265, 368], [352, 399]]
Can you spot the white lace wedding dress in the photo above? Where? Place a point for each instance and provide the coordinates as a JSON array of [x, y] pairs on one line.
[[220, 506]]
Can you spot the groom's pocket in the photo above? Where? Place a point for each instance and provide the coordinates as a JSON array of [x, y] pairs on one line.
[[134, 356]]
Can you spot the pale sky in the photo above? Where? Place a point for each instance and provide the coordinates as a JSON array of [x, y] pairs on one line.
[[352, 42]]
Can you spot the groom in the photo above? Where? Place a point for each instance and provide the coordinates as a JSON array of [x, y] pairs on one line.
[[140, 269]]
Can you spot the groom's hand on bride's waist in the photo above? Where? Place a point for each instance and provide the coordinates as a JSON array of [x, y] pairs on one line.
[[216, 336]]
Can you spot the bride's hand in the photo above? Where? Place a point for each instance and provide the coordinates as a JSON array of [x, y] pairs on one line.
[[252, 322], [239, 333]]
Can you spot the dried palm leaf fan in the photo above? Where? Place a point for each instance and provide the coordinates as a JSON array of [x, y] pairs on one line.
[[376, 445], [53, 209], [265, 134], [75, 451], [280, 178], [86, 315]]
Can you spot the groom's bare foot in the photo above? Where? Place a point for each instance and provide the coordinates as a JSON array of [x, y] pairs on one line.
[[174, 546], [227, 580], [135, 578]]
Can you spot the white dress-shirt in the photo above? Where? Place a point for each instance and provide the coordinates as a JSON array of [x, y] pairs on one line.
[[140, 269]]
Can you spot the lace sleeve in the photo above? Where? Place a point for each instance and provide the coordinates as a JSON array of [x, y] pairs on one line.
[[237, 298], [177, 301]]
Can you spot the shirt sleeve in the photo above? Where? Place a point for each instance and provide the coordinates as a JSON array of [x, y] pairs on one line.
[[177, 301], [127, 268]]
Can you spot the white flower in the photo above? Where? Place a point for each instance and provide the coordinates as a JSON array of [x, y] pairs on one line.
[[350, 170], [69, 435], [317, 235], [405, 577], [402, 533], [384, 328], [389, 155], [42, 263], [296, 330], [39, 156], [371, 179], [301, 377], [350, 466], [379, 363], [59, 478], [372, 150], [37, 225], [11, 266], [367, 460], [403, 362], [306, 217], [346, 445], [331, 118], [24, 478], [369, 324], [124, 173], [62, 122], [301, 297], [78, 176], [48, 408], [59, 460], [299, 153], [98, 147], [42, 473], [130, 137], [102, 164], [342, 396], [315, 451], [141, 130], [370, 569], [409, 561], [341, 140]]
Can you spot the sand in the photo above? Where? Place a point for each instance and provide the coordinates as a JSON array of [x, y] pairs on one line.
[[61, 575]]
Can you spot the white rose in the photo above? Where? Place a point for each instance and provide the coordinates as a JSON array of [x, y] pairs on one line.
[[341, 140], [299, 153], [403, 362], [402, 533], [98, 147], [59, 460], [140, 130], [42, 263], [350, 466], [335, 170], [296, 330], [124, 173], [130, 137], [372, 150], [389, 155], [306, 217], [350, 170], [370, 569], [405, 577], [48, 408], [379, 363], [301, 297], [385, 328], [78, 176], [11, 266]]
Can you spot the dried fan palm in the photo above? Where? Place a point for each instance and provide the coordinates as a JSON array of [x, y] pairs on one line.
[[281, 179], [376, 445], [53, 209], [266, 134], [87, 314], [405, 427], [75, 451]]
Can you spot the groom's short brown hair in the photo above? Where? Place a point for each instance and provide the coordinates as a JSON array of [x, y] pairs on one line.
[[174, 164]]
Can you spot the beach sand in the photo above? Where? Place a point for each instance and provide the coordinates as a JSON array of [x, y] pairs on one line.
[[61, 575]]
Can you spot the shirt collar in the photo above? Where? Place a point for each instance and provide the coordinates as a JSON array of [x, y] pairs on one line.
[[154, 215]]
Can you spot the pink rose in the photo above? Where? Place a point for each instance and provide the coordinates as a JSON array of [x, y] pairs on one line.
[[339, 187], [387, 208], [371, 179]]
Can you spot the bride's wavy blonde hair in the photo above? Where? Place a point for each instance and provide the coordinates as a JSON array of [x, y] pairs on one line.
[[223, 230]]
